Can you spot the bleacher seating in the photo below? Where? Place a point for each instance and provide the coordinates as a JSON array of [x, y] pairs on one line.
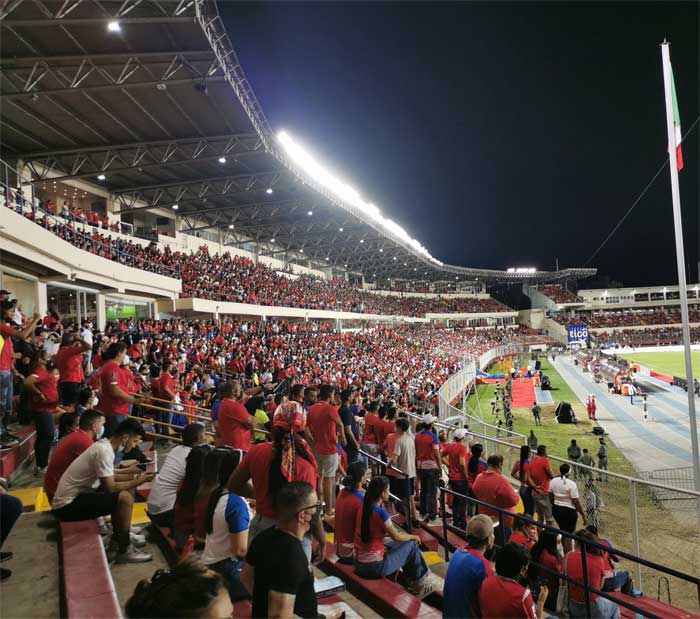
[[88, 588]]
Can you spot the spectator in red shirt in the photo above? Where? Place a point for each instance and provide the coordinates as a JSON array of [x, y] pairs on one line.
[[596, 568], [455, 456], [502, 597], [519, 471], [166, 390], [7, 362], [524, 533], [537, 476], [372, 442], [545, 553], [429, 466], [493, 488], [348, 504], [325, 427], [90, 430], [184, 509], [269, 466], [115, 400], [374, 559], [69, 361], [235, 424], [42, 385]]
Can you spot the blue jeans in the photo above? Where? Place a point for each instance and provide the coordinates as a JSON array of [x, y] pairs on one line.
[[45, 429], [600, 609], [11, 509], [165, 418], [459, 505], [111, 424], [428, 491], [230, 569], [404, 556], [6, 395]]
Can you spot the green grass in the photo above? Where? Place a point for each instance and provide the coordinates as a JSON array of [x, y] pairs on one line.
[[557, 437], [664, 362]]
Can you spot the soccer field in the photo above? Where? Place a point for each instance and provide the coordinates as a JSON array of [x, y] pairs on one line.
[[668, 363]]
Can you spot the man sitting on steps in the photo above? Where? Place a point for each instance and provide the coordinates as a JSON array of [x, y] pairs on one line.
[[75, 498]]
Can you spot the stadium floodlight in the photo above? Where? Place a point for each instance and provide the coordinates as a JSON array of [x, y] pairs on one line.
[[522, 270], [340, 229], [100, 177], [321, 175], [175, 207], [114, 26], [222, 159], [231, 226], [381, 251], [268, 191], [309, 213], [272, 240], [362, 240], [301, 251]]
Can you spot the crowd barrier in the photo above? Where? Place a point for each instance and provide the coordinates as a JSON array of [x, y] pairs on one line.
[[634, 513]]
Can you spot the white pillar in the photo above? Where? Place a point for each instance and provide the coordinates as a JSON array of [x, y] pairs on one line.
[[41, 300], [101, 312]]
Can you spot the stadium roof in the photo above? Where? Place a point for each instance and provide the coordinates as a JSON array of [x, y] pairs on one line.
[[151, 95]]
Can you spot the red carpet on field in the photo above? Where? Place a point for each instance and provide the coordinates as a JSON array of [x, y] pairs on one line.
[[523, 393]]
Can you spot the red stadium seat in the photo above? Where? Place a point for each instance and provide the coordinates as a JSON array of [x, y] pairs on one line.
[[653, 606], [13, 457], [88, 588]]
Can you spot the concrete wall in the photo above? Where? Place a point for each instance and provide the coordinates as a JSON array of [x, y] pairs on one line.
[[30, 241]]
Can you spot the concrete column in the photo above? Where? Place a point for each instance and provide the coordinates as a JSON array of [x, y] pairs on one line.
[[41, 300], [101, 312]]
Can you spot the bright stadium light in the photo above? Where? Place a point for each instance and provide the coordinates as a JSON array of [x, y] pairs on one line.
[[301, 251], [272, 240], [231, 226], [222, 159], [114, 26], [268, 191], [340, 229], [101, 177], [309, 213], [175, 207], [321, 175]]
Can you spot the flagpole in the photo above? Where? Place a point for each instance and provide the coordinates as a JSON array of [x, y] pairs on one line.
[[680, 258]]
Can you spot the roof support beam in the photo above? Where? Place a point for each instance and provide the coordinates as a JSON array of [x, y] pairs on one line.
[[93, 21]]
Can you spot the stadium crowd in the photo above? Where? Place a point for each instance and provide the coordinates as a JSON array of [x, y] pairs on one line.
[[223, 277], [630, 318], [345, 395], [558, 294], [659, 336]]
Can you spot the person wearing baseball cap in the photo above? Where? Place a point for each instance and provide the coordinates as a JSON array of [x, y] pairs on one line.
[[455, 456], [467, 569]]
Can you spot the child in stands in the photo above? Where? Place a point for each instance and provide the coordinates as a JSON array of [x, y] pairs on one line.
[[348, 504]]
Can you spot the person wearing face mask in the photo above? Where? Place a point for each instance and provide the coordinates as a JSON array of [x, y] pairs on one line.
[[87, 400], [115, 399], [76, 499], [284, 592], [90, 429]]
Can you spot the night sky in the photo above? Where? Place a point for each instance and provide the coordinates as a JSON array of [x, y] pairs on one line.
[[497, 134]]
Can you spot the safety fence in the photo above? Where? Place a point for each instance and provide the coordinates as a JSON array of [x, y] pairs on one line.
[[644, 517]]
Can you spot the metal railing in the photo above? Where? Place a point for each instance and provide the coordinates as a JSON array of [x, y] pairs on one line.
[[14, 187], [585, 546], [635, 512]]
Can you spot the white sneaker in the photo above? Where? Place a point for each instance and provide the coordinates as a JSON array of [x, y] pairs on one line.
[[427, 585], [137, 540], [132, 556]]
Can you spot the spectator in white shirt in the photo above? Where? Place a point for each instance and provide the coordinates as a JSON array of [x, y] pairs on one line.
[[161, 500], [565, 501], [76, 497]]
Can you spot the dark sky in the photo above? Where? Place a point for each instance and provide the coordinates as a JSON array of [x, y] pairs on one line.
[[497, 134]]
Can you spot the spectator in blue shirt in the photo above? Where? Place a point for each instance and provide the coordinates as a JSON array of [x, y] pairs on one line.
[[467, 569]]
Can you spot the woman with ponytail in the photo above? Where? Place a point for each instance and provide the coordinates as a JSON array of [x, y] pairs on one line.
[[348, 504], [226, 521], [475, 467], [518, 471], [270, 467], [372, 558]]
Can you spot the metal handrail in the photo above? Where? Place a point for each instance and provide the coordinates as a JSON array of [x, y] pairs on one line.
[[582, 542]]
